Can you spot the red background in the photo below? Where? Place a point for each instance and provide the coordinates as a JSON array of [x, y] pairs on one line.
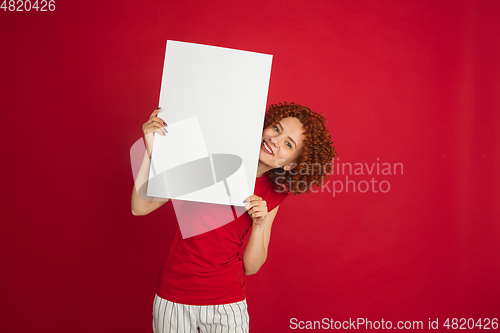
[[411, 82]]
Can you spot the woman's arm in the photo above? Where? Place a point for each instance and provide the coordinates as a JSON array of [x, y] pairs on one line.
[[255, 253], [141, 203]]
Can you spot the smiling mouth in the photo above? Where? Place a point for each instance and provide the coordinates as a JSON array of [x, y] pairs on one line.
[[267, 148]]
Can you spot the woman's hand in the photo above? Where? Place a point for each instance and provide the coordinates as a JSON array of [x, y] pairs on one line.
[[154, 124], [257, 209]]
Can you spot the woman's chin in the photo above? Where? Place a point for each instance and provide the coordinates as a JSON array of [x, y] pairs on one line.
[[264, 157]]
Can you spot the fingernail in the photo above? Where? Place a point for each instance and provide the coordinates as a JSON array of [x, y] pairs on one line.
[[164, 123], [159, 108]]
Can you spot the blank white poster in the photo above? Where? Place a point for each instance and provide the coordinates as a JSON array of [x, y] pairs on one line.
[[213, 100]]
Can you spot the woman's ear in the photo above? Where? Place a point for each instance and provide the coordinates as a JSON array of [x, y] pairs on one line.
[[290, 166]]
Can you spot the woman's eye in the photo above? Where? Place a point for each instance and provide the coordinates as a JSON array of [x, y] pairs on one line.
[[289, 145], [276, 128]]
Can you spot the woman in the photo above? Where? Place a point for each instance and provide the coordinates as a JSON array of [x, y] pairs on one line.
[[201, 286]]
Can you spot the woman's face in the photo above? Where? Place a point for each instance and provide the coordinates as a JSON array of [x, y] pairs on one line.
[[282, 143]]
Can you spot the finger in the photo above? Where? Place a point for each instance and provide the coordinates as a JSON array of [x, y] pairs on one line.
[[157, 122], [161, 131], [160, 121], [154, 127], [155, 112], [258, 203], [259, 210], [252, 197], [152, 124], [254, 203], [249, 206], [257, 215]]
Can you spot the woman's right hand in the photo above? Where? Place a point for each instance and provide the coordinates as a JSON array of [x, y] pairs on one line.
[[154, 124]]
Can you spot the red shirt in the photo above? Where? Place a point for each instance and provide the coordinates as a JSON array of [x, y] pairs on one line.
[[207, 269]]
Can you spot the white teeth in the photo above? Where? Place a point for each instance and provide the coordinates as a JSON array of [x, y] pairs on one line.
[[267, 148]]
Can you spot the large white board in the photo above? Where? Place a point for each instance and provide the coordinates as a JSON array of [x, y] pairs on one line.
[[213, 100]]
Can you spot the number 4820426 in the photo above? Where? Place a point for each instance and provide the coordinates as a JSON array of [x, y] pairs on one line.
[[27, 5]]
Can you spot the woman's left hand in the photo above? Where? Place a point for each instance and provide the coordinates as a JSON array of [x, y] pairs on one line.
[[257, 209]]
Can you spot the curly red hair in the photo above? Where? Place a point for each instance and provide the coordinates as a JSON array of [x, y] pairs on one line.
[[315, 162]]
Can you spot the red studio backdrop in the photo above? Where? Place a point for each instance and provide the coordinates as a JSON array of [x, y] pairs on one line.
[[407, 229]]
